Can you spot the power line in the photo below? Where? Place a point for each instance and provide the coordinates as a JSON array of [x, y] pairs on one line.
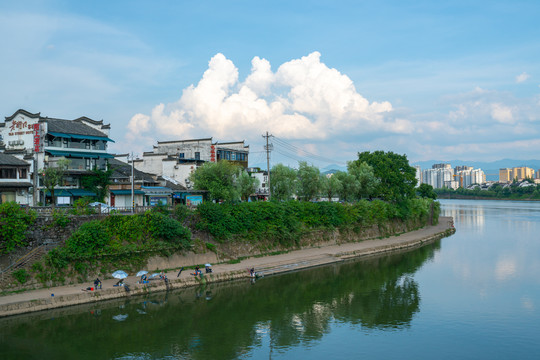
[[302, 153]]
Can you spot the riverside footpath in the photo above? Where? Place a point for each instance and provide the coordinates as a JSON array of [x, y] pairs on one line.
[[61, 296]]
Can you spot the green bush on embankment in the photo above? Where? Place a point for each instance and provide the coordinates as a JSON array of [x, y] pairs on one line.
[[286, 222], [117, 240], [14, 221]]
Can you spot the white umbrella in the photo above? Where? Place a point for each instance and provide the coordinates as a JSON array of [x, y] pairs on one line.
[[142, 272], [154, 275], [120, 317], [208, 265], [119, 274]]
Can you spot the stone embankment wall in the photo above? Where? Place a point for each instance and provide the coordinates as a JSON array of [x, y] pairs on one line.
[[46, 232], [160, 285]]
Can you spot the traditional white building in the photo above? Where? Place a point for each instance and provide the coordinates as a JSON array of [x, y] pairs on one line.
[[178, 159], [42, 141]]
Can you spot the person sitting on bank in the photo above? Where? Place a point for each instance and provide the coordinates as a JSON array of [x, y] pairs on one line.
[[97, 284], [119, 283]]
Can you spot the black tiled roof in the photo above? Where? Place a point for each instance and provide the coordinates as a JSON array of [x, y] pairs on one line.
[[123, 170], [11, 160], [72, 127]]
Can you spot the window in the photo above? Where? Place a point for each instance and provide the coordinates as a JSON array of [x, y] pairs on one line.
[[66, 142], [87, 145], [197, 155], [181, 155], [8, 173], [87, 164], [22, 173]]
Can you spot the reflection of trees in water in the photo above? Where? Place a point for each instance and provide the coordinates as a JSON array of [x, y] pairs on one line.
[[289, 309]]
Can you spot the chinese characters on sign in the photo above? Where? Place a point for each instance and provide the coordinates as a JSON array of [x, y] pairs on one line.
[[212, 153], [24, 127], [37, 138]]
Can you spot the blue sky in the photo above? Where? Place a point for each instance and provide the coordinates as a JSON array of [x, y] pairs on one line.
[[433, 80]]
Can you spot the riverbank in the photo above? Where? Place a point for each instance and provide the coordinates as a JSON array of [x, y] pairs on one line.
[[43, 299]]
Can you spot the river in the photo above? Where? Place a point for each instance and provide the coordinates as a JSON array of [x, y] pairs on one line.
[[474, 295]]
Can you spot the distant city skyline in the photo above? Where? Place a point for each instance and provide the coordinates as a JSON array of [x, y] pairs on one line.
[[452, 80]]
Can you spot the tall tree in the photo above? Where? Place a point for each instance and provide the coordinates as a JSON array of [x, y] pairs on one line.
[[367, 181], [308, 181], [54, 176], [349, 186], [246, 185], [426, 191], [330, 186], [97, 182], [397, 177], [282, 182], [218, 179]]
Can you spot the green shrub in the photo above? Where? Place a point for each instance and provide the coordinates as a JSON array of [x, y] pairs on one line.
[[80, 207], [285, 222], [161, 208], [181, 212], [14, 222], [90, 239], [21, 276], [60, 218]]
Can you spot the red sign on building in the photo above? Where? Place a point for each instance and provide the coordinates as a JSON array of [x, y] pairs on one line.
[[37, 138], [212, 153]]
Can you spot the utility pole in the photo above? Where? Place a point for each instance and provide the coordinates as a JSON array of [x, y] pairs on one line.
[[132, 183], [268, 148]]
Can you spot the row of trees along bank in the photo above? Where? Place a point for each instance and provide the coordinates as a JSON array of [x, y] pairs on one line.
[[383, 175]]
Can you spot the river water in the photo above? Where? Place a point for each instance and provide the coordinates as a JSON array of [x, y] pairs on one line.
[[474, 295]]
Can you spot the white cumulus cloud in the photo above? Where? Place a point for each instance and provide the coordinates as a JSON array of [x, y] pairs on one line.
[[522, 77], [303, 99]]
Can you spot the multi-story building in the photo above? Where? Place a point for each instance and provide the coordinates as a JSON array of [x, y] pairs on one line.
[[523, 172], [508, 175], [15, 182], [439, 176], [43, 141], [178, 159], [442, 166], [461, 168], [263, 190], [418, 175], [442, 175], [471, 176]]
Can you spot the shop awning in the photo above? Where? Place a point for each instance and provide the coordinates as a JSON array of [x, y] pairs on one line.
[[156, 190], [81, 192], [126, 192], [76, 136], [59, 192], [81, 154]]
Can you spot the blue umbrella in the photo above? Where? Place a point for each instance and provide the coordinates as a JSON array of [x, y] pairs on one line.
[[119, 274], [142, 272]]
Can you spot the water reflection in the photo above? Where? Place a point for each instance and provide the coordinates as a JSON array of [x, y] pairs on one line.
[[227, 321]]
